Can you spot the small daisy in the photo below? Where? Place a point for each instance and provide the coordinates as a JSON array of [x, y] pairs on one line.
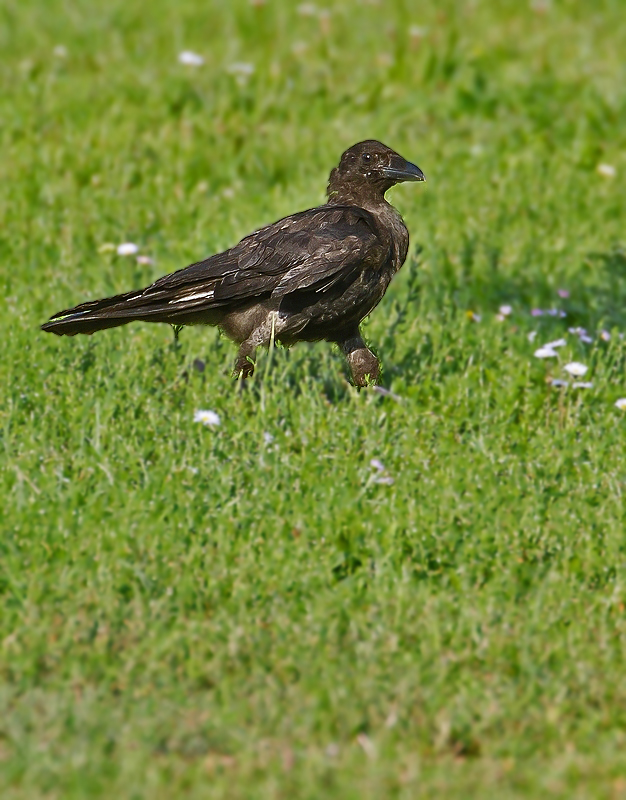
[[532, 336], [559, 383], [605, 336], [190, 59], [144, 260], [382, 476], [536, 312], [564, 293], [268, 438], [606, 170], [208, 418], [582, 385], [506, 311], [556, 343], [545, 352], [621, 404], [576, 369], [127, 249]]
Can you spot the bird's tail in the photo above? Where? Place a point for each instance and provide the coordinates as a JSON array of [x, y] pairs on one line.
[[110, 312]]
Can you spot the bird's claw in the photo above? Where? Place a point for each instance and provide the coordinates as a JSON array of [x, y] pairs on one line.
[[244, 368]]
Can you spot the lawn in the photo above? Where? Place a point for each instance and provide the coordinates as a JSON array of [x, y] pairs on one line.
[[333, 593]]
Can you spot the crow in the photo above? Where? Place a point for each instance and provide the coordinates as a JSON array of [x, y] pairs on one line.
[[311, 276]]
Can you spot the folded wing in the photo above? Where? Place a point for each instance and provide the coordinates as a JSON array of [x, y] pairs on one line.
[[311, 251]]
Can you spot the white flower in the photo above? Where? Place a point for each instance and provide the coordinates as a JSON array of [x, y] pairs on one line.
[[606, 170], [545, 352], [559, 383], [190, 59], [582, 385], [208, 418], [576, 369], [127, 249], [621, 404], [582, 334], [506, 310], [605, 336], [532, 336], [383, 476], [268, 438], [144, 260], [556, 343]]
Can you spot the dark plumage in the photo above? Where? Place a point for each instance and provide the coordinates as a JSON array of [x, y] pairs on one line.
[[310, 276]]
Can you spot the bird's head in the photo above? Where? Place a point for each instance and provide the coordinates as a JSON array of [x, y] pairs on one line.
[[370, 168]]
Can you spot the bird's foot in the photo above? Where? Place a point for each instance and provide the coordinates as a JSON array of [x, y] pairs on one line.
[[364, 366], [244, 368]]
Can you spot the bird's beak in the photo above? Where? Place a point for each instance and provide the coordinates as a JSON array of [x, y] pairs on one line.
[[401, 170]]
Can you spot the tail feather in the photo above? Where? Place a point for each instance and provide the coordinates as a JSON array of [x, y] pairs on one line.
[[178, 306], [96, 315]]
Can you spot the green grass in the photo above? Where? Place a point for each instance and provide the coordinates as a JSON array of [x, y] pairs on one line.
[[195, 612]]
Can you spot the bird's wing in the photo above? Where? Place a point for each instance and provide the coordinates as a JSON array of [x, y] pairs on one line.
[[310, 250]]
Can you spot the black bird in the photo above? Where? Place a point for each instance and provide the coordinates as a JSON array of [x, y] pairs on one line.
[[313, 275]]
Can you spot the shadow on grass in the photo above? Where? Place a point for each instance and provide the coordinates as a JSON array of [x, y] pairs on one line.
[[449, 290]]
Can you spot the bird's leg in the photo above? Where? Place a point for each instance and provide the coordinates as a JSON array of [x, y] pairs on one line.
[[262, 335], [363, 364]]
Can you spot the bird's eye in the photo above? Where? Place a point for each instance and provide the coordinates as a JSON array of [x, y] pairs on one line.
[[366, 157]]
